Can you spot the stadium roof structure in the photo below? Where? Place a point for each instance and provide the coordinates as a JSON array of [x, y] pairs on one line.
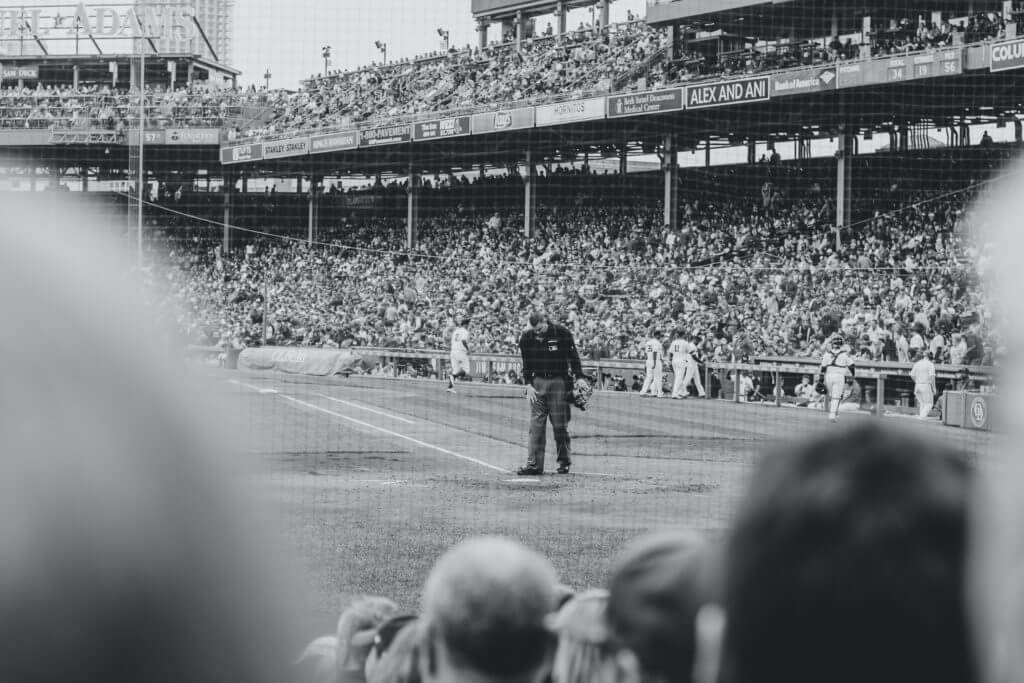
[[768, 17], [498, 10]]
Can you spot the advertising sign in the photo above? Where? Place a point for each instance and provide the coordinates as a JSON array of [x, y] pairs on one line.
[[241, 153], [512, 119], [13, 72], [102, 21], [728, 92], [292, 147], [193, 136], [1006, 56], [912, 67], [567, 112], [443, 128], [654, 102], [386, 135], [852, 75], [333, 142], [805, 81]]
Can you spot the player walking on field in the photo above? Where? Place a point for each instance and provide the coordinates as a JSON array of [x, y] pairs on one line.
[[654, 352], [692, 373], [459, 355], [923, 374], [836, 366], [679, 355]]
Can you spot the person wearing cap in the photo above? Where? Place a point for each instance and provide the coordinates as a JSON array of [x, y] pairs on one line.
[[585, 653], [836, 366], [658, 586], [483, 619], [923, 374], [550, 364], [392, 654], [346, 652]]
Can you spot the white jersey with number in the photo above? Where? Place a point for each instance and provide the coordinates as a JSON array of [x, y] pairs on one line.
[[460, 340], [653, 351], [680, 351]]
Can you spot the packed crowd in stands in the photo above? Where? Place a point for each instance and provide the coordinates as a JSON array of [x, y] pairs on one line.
[[749, 278], [581, 62], [619, 57], [102, 107], [588, 60]]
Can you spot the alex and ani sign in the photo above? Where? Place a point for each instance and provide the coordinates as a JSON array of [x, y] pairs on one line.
[[727, 92], [107, 21]]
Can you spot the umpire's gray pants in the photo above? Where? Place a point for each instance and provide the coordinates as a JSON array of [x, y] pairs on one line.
[[552, 403]]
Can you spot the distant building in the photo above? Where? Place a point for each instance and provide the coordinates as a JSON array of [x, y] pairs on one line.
[[217, 18]]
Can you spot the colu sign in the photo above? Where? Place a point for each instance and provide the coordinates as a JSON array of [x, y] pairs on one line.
[[101, 21]]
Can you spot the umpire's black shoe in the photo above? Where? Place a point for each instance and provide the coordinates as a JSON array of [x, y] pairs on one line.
[[563, 469], [529, 471]]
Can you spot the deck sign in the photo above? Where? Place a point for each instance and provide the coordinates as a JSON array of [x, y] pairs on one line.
[[725, 93], [640, 103], [1006, 56]]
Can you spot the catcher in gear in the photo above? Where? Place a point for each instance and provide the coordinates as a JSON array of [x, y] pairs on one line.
[[836, 366]]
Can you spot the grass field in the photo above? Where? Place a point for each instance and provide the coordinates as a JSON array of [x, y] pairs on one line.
[[376, 478]]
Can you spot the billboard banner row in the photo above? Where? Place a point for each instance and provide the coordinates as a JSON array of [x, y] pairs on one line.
[[705, 95]]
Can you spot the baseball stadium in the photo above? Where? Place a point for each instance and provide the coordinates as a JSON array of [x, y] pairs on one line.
[[634, 296]]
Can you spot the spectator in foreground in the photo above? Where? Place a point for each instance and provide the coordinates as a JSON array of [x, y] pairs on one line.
[[846, 564], [657, 588], [484, 606], [127, 553]]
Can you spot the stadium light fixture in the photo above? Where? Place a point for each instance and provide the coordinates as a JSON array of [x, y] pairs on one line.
[[445, 35], [326, 52], [266, 76], [383, 47]]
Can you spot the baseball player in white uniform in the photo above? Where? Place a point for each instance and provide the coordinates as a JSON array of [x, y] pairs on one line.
[[654, 353], [693, 369], [836, 366], [923, 374], [459, 355], [679, 355]]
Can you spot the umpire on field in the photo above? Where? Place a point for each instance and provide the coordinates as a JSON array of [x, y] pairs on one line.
[[550, 362]]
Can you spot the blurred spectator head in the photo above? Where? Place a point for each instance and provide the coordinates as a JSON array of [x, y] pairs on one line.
[[657, 587], [484, 606], [128, 553], [846, 563]]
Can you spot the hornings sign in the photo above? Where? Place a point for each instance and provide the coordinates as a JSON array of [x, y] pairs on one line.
[[100, 21]]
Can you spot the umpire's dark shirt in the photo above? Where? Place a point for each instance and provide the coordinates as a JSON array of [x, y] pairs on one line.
[[552, 354]]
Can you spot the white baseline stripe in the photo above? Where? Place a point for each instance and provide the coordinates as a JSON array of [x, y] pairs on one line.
[[366, 408], [261, 390], [389, 432]]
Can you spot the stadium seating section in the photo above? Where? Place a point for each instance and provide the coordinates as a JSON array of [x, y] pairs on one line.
[[753, 268]]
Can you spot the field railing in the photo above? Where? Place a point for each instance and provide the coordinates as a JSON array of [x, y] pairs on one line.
[[892, 379]]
